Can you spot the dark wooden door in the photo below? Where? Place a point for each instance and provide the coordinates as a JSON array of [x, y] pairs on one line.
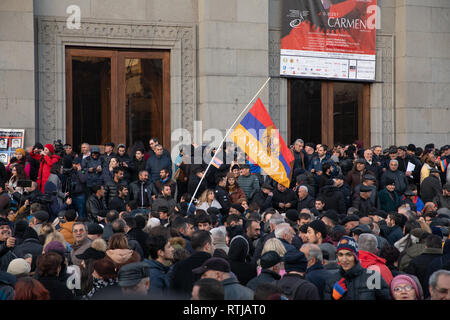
[[117, 95]]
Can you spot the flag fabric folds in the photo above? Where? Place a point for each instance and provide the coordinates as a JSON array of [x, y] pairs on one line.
[[258, 137]]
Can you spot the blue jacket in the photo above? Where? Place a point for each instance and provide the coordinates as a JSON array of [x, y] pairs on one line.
[[159, 283], [94, 177], [391, 234], [155, 164], [318, 275], [316, 163]]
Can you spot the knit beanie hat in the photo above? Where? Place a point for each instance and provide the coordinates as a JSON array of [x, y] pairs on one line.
[[54, 246], [348, 243], [50, 147], [409, 279], [20, 150]]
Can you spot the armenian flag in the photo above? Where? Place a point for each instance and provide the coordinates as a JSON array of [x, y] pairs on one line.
[[258, 137], [216, 162]]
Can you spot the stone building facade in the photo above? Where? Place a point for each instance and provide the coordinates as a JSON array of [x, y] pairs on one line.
[[221, 52]]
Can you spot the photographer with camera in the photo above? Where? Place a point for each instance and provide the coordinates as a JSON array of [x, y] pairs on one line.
[[48, 159]]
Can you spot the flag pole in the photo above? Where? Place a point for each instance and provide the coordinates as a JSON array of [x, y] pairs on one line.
[[223, 140]]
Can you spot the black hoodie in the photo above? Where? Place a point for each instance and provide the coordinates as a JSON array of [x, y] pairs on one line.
[[239, 249]]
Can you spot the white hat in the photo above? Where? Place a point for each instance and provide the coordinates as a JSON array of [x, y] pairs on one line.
[[18, 267]]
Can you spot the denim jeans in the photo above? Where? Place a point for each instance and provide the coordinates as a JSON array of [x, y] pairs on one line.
[[79, 202]]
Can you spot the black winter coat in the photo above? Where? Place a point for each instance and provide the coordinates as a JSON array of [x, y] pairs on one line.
[[56, 288], [32, 246], [192, 185], [128, 171], [297, 288], [239, 250], [182, 277], [419, 265], [263, 200], [307, 203], [137, 167], [266, 276], [95, 207], [334, 199], [357, 279], [111, 191], [135, 193], [318, 275], [288, 196], [431, 187]]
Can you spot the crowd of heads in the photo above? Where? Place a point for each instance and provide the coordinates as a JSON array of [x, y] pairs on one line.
[[140, 223]]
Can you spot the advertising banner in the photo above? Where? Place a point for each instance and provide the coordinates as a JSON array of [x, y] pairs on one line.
[[10, 140], [331, 39]]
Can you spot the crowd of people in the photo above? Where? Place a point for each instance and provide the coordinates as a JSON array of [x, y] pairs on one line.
[[354, 224]]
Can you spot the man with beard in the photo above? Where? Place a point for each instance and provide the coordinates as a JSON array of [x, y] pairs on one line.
[[125, 163]]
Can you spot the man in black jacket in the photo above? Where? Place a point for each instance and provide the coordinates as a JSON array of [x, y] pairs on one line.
[[221, 194], [182, 278], [293, 284], [112, 185], [333, 198], [143, 191], [119, 202], [109, 153], [371, 164], [363, 201], [431, 186], [194, 180], [96, 210], [270, 270], [284, 199], [263, 197], [125, 163], [419, 265], [304, 199], [30, 245], [139, 164]]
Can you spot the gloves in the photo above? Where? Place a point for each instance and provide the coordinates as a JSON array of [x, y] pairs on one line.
[[339, 289]]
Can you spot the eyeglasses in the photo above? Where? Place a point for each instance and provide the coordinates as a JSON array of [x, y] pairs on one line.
[[405, 288]]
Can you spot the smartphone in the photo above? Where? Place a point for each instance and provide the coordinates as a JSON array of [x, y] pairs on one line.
[[24, 183]]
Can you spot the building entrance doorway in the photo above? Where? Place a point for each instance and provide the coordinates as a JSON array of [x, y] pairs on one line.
[[117, 95]]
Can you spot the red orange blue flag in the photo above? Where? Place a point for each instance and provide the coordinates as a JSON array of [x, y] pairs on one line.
[[258, 137]]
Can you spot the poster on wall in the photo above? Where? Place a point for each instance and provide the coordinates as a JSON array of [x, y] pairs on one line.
[[10, 140], [329, 39]]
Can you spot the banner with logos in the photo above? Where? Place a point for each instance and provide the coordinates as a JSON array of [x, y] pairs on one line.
[[330, 39]]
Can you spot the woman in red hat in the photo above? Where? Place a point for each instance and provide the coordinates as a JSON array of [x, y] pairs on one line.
[[48, 158]]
